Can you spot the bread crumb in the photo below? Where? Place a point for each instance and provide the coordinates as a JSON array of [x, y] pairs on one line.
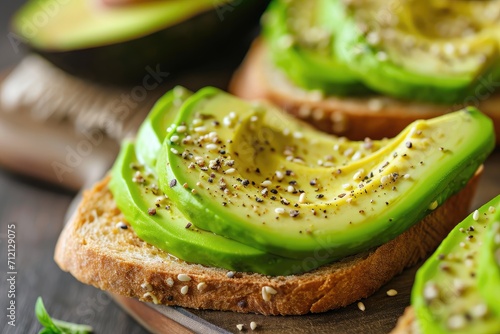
[[361, 306]]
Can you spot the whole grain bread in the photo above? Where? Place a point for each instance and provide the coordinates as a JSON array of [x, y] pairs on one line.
[[354, 117], [94, 249], [406, 323]]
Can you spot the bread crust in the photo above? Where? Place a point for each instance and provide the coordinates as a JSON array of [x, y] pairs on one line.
[[97, 252], [354, 117], [406, 323]]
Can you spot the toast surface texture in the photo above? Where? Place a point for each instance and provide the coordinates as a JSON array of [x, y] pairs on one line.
[[406, 323], [354, 117], [98, 252]]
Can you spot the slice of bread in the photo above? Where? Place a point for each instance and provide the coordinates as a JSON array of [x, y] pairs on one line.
[[94, 249], [354, 117], [406, 323]]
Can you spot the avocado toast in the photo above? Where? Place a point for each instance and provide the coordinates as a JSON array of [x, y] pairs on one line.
[[369, 68], [189, 213], [456, 290]]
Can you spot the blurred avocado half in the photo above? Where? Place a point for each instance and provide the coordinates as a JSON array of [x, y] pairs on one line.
[[115, 44]]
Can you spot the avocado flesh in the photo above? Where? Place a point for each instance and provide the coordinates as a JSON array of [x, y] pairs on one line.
[[488, 272], [168, 228], [153, 130], [299, 40], [404, 55], [434, 51], [81, 24], [446, 294], [358, 202]]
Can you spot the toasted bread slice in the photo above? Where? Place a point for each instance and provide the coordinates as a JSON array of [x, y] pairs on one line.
[[406, 323], [354, 117], [98, 252]]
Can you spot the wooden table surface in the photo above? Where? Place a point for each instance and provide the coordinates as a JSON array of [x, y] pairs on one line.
[[37, 211]]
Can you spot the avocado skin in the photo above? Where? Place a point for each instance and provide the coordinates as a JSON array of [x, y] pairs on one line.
[[383, 226], [477, 288], [195, 40]]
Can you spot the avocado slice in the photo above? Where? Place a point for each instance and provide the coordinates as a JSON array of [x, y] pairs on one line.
[[299, 37], [390, 47], [448, 294], [251, 173], [158, 221], [153, 130], [397, 48], [116, 44], [488, 270]]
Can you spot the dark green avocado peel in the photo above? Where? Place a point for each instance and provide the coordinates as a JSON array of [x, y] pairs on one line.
[[116, 44]]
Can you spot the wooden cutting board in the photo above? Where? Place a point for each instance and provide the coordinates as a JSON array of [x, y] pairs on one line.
[[380, 316]]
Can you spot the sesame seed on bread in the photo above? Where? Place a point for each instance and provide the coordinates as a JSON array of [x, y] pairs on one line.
[[97, 249]]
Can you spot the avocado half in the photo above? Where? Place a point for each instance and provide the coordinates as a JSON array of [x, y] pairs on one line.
[[117, 44]]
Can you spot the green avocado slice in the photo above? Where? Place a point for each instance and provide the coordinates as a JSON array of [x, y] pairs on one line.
[[136, 195], [397, 48], [153, 130], [252, 174], [448, 294], [488, 270], [298, 36]]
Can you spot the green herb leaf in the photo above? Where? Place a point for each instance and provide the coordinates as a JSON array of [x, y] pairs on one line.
[[42, 315], [54, 326], [46, 331], [71, 328]]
